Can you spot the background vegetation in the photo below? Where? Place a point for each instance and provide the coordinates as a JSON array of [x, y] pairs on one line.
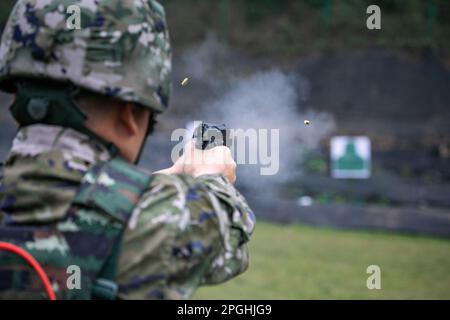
[[288, 27]]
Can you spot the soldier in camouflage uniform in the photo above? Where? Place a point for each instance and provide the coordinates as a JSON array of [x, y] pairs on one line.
[[71, 193]]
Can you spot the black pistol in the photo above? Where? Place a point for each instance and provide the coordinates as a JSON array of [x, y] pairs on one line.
[[209, 135]]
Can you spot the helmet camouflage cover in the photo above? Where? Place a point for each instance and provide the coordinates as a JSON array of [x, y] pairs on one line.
[[121, 49]]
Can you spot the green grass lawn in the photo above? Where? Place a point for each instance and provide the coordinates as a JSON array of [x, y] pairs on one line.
[[298, 262]]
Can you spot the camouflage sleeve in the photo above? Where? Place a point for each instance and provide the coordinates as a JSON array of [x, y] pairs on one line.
[[185, 232]]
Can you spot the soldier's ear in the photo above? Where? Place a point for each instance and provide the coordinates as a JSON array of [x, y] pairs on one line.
[[143, 118], [127, 118]]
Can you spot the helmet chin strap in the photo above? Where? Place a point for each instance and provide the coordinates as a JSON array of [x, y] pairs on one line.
[[141, 150], [150, 128]]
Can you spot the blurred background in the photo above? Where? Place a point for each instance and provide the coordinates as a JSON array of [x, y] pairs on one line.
[[272, 64]]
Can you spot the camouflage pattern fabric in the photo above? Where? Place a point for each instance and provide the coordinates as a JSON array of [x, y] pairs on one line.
[[182, 233], [122, 48], [103, 203]]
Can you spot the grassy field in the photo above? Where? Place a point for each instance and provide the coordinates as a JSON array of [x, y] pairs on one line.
[[298, 262]]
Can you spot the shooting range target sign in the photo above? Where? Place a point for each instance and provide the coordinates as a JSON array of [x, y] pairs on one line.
[[350, 157]]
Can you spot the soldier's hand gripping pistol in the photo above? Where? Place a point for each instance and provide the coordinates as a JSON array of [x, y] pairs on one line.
[[199, 157]]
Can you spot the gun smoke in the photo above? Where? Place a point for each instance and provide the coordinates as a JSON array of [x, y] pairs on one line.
[[245, 98]]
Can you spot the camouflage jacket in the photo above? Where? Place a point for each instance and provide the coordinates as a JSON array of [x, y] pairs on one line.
[[183, 232]]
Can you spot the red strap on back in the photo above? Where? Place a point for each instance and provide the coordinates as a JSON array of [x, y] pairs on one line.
[[33, 263]]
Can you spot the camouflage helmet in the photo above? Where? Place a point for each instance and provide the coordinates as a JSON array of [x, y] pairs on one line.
[[121, 48]]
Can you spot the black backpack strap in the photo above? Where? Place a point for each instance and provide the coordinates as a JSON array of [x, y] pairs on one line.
[[105, 286]]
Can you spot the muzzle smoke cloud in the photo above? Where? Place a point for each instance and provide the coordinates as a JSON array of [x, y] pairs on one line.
[[259, 99]]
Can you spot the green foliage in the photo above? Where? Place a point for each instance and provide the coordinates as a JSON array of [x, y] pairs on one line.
[[297, 262], [290, 28], [257, 10], [389, 6]]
